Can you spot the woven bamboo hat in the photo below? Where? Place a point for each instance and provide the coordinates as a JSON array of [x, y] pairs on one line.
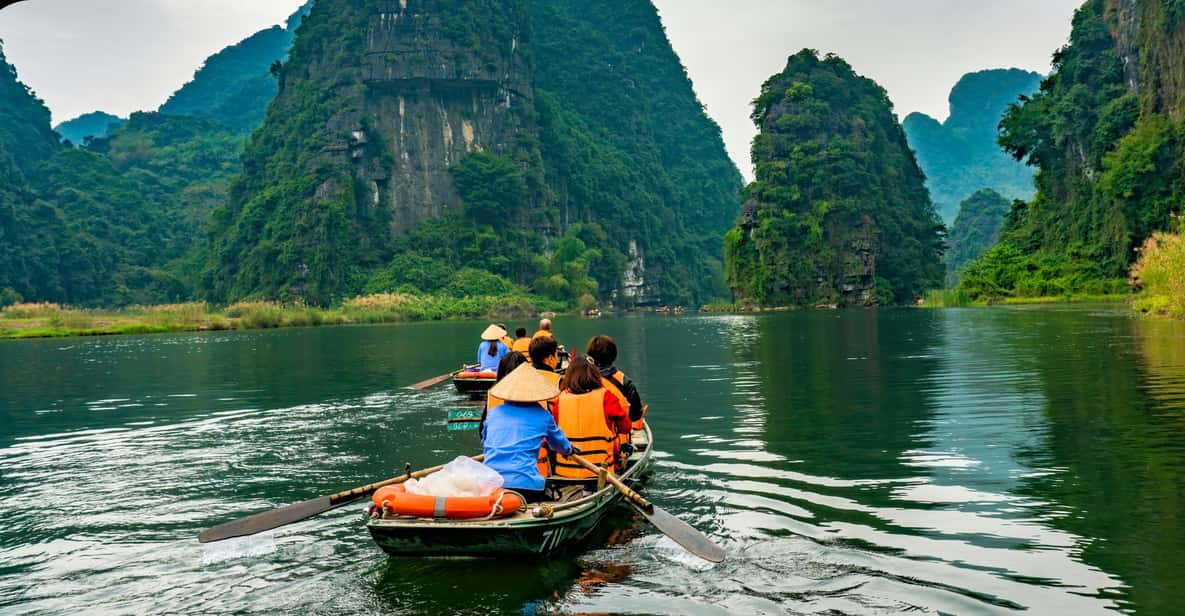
[[525, 384], [493, 332]]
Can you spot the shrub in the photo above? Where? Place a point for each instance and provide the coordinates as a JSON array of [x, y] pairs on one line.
[[1160, 272], [29, 311]]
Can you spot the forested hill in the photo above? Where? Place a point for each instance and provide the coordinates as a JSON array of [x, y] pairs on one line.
[[960, 156], [838, 213], [416, 142], [976, 229], [1105, 133], [235, 85], [111, 224], [93, 124]]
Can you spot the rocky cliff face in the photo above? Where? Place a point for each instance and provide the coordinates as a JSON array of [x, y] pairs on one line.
[[480, 133], [432, 100]]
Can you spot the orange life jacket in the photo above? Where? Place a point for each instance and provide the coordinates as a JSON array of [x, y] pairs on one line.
[[522, 345], [582, 419], [542, 332]]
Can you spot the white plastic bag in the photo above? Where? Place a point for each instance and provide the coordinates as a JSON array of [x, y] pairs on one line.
[[463, 476]]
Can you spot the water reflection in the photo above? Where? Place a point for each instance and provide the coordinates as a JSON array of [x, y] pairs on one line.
[[957, 461]]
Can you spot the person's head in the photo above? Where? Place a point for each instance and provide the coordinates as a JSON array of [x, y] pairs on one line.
[[520, 332], [603, 350], [509, 362], [492, 334], [543, 351], [525, 385], [581, 376], [545, 324]]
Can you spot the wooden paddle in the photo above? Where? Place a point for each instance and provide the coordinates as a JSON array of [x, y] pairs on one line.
[[432, 381], [283, 516], [679, 531]]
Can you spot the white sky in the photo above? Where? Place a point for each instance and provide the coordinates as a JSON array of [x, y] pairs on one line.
[[126, 55]]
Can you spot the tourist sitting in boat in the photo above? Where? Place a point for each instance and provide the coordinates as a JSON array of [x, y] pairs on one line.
[[545, 357], [544, 329], [491, 350], [514, 429], [592, 418], [603, 350], [522, 343], [505, 336]]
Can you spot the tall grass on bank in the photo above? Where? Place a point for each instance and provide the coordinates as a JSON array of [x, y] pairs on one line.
[[40, 320], [1160, 274]]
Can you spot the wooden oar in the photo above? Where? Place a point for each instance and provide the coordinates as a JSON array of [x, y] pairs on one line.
[[432, 381], [283, 516], [679, 531]]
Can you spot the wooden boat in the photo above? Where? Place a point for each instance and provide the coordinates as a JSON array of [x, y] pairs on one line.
[[474, 387], [540, 529]]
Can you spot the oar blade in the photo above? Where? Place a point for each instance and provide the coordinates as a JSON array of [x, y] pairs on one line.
[[683, 533], [430, 382], [267, 520]]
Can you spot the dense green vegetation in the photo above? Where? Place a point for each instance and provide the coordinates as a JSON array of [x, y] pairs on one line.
[[235, 85], [1104, 134], [93, 124], [627, 145], [110, 224], [838, 213], [614, 150], [960, 155], [976, 229], [1160, 272]]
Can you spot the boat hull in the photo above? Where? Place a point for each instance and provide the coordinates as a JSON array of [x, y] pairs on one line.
[[522, 534], [473, 387]]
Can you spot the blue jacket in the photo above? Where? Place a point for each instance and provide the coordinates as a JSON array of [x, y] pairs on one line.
[[487, 361], [511, 437]]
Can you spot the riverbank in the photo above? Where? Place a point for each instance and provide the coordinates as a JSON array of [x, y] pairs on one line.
[[45, 320], [953, 298]]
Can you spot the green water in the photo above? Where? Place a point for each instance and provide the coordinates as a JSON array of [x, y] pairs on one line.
[[956, 461]]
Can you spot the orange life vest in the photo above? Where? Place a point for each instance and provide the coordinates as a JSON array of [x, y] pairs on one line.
[[543, 463], [542, 332], [582, 419], [522, 345]]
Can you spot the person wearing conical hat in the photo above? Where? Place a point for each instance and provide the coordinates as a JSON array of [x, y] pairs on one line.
[[491, 349], [514, 430]]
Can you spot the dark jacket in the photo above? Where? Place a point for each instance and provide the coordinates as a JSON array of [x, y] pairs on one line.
[[630, 392]]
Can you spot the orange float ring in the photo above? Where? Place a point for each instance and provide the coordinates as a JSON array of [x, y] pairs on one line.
[[486, 374], [396, 499]]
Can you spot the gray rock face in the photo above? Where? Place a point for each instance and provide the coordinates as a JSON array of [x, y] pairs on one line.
[[429, 101]]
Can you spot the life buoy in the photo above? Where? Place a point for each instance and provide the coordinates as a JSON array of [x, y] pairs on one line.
[[485, 374], [397, 500]]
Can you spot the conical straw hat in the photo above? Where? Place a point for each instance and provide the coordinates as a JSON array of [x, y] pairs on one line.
[[493, 332], [525, 384]]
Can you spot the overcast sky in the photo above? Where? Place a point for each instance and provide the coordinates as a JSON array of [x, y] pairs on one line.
[[126, 55]]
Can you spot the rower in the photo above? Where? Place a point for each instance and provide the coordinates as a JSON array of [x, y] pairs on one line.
[[522, 343], [603, 350], [508, 364], [592, 419], [491, 350], [514, 429]]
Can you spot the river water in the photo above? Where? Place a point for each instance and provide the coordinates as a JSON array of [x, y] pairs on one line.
[[939, 461]]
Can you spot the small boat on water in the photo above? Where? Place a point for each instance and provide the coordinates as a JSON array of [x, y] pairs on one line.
[[473, 382], [538, 529]]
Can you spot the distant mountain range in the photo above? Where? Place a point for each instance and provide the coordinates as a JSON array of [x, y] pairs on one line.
[[960, 156]]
